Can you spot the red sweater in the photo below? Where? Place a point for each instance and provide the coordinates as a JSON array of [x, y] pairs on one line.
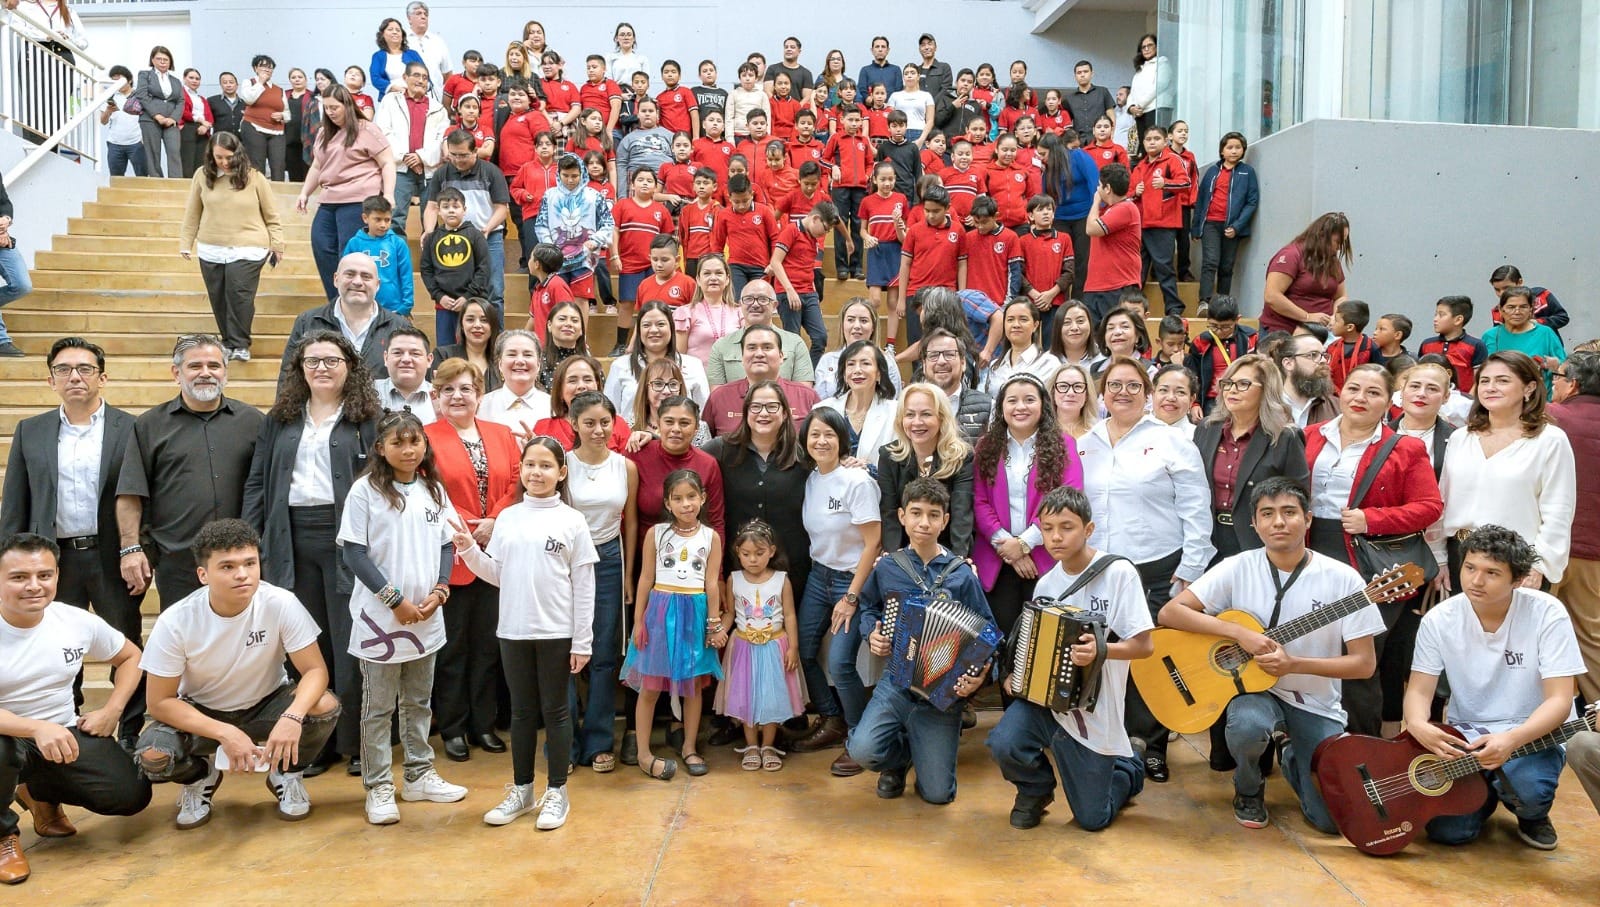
[[1405, 495]]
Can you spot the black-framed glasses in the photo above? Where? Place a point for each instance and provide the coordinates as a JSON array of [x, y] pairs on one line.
[[320, 362], [1065, 387], [86, 370], [671, 387], [771, 409], [1315, 355], [1242, 385]]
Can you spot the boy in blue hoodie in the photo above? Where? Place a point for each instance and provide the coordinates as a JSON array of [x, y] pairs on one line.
[[389, 250], [899, 730]]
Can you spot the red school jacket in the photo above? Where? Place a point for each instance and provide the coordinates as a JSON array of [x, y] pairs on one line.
[[1405, 495]]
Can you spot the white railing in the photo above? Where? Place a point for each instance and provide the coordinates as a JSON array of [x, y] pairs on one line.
[[44, 98]]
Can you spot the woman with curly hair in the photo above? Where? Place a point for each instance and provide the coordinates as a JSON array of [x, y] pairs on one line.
[[1020, 459], [312, 446]]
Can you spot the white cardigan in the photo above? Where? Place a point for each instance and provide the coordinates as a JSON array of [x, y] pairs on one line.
[[876, 430], [1530, 487]]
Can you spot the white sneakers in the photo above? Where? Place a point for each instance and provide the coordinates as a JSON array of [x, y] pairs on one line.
[[194, 802], [290, 789], [380, 805], [432, 788], [553, 814]]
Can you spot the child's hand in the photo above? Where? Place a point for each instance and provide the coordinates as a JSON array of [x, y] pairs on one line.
[[869, 242], [1083, 651], [791, 659], [1157, 180], [430, 604], [407, 613], [578, 662], [837, 173], [794, 301], [641, 636], [1138, 191], [877, 642], [461, 538]]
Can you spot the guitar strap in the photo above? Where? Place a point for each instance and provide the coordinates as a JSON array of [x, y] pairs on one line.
[[1282, 586]]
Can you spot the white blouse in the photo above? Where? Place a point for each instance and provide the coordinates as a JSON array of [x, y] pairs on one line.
[[1334, 475], [1150, 495], [1530, 487], [622, 386], [1033, 360], [876, 430]]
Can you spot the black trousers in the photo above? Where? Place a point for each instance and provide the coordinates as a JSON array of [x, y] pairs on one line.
[[1080, 251], [1160, 244], [848, 200], [103, 779], [191, 148], [1185, 241], [1217, 254], [316, 584], [1006, 599], [1156, 576], [466, 676], [174, 576], [266, 151], [538, 671], [232, 289], [84, 583]]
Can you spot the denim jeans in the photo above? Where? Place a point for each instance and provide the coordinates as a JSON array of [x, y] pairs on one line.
[[595, 730], [1533, 789], [120, 157], [408, 186], [824, 587], [807, 317], [14, 271], [331, 230], [1251, 720], [179, 756], [899, 730], [497, 270], [383, 685], [743, 274], [1097, 785]]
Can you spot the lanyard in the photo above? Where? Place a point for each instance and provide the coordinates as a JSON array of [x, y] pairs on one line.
[[1222, 347], [1282, 586]]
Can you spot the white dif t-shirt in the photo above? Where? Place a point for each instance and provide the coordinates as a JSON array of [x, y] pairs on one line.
[[228, 663], [406, 546], [38, 665], [835, 504], [1118, 593], [1244, 583], [1496, 679]]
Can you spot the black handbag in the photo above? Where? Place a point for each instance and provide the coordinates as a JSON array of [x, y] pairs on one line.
[[1377, 553]]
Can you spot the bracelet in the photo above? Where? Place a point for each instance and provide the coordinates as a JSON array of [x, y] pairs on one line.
[[390, 596], [442, 590], [297, 719], [131, 549]]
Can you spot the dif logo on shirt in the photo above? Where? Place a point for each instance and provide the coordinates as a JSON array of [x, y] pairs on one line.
[[71, 656], [1515, 659], [553, 545], [255, 638]]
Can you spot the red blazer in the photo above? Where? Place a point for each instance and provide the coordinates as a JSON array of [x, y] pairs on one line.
[[461, 483], [1403, 498]]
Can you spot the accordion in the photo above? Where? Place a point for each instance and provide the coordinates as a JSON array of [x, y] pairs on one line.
[[1042, 671], [934, 642]]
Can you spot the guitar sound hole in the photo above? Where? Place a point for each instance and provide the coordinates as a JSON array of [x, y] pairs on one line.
[[1429, 779], [1230, 658]]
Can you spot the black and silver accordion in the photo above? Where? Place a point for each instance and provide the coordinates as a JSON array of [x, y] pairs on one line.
[[934, 642], [1042, 671]]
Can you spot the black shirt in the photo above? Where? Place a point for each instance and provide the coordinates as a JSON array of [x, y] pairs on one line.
[[1086, 107], [709, 98], [190, 467], [755, 489], [800, 78]]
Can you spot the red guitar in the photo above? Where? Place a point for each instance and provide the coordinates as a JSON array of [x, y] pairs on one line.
[[1382, 792]]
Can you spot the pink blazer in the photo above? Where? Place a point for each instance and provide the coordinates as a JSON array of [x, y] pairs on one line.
[[992, 501]]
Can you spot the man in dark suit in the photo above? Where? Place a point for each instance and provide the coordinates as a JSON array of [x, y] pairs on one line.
[[227, 108], [61, 483], [354, 312]]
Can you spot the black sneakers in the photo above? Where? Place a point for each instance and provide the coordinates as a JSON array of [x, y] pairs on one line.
[[1251, 810], [1027, 811], [1537, 833]]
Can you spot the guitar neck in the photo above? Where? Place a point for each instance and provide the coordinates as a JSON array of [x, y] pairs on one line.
[[1289, 631], [1467, 765]]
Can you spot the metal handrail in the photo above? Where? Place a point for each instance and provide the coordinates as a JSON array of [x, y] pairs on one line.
[[49, 145], [70, 82], [44, 27]]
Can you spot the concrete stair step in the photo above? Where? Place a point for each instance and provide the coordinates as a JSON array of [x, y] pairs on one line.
[[173, 276], [177, 196], [137, 344], [140, 394], [154, 263], [66, 322], [293, 230], [263, 367], [99, 301], [1188, 291]]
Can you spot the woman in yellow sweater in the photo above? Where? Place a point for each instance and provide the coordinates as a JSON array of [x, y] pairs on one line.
[[231, 223]]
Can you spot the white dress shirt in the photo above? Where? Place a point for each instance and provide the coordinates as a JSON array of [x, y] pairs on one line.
[[1150, 495], [1039, 363], [312, 482], [356, 338], [1334, 475], [78, 450], [419, 401], [510, 410]]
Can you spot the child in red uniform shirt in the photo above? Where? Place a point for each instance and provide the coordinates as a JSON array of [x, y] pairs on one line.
[[1178, 141], [933, 150], [1463, 351], [1160, 184], [468, 108], [666, 283], [1028, 145], [680, 112], [1016, 106], [712, 150], [797, 204], [747, 229], [848, 155], [778, 179], [562, 103], [794, 258], [697, 221], [805, 146], [677, 175], [883, 214], [977, 136], [990, 260], [460, 84], [517, 133], [785, 107], [877, 113], [1048, 266], [639, 219], [930, 254], [598, 167], [599, 92], [1009, 184], [1114, 244], [546, 287], [590, 136], [1053, 118], [962, 180], [754, 146], [529, 185], [1102, 149]]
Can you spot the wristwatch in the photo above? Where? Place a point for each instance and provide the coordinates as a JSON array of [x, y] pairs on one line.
[[851, 598]]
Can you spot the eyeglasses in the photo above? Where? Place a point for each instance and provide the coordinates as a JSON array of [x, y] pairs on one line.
[[1516, 308], [1316, 356], [758, 301], [942, 355], [1559, 374], [770, 409], [1124, 387], [320, 362], [671, 387], [1242, 385], [82, 371], [1063, 387]]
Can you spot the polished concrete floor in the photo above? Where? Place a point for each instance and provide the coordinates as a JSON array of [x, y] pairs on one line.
[[798, 836]]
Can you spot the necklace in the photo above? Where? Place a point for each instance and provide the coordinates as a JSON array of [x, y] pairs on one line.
[[592, 472], [686, 532]]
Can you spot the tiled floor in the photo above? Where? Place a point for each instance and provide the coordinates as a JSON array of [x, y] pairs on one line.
[[798, 836]]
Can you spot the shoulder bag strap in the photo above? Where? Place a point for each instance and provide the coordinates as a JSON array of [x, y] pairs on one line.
[[903, 560], [1089, 575], [1371, 473]]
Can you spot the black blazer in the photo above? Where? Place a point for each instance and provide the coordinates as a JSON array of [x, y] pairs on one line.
[[30, 486], [1442, 431], [893, 477], [266, 491], [1262, 461], [229, 118]]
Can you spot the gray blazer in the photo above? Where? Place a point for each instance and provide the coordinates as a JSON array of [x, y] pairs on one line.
[[156, 102]]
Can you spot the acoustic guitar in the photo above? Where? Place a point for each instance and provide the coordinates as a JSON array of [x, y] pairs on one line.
[[1381, 793], [1191, 677]]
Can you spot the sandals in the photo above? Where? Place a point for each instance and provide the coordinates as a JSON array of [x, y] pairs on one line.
[[752, 757], [772, 758], [696, 764], [604, 763], [669, 768]]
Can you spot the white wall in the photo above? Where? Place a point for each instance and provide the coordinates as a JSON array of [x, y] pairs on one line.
[[1434, 208], [52, 191], [304, 33], [115, 36]]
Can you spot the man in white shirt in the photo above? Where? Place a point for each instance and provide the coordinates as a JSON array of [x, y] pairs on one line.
[[1275, 585], [1512, 660], [428, 45], [1307, 384], [1123, 123], [49, 755], [216, 683], [407, 387], [1099, 767]]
